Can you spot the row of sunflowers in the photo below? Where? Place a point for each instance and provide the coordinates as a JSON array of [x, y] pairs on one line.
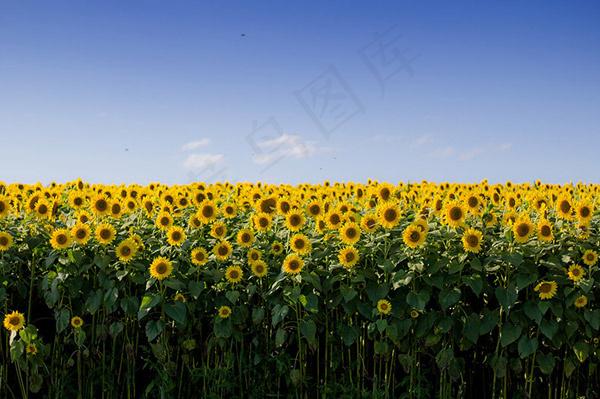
[[362, 290]]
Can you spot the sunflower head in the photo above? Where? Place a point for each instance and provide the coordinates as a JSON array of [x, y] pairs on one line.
[[218, 230], [224, 312], [544, 230], [348, 256], [14, 321], [61, 239], [76, 322], [384, 306], [576, 272], [175, 236], [199, 256], [105, 233], [262, 221], [126, 250], [222, 250], [259, 268], [31, 349], [207, 211], [161, 268], [413, 236], [294, 220], [229, 210], [369, 223], [245, 238], [5, 240], [254, 255], [581, 301], [164, 221], [179, 297], [234, 274], [299, 243], [350, 233], [522, 229], [276, 248], [389, 215], [293, 264], [590, 257], [414, 314], [455, 213], [472, 240], [547, 289]]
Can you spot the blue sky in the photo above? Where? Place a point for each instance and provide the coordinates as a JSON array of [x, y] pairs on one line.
[[142, 91]]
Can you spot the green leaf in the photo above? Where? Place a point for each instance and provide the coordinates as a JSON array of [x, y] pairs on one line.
[[507, 297], [476, 264], [592, 317], [527, 346], [525, 280], [586, 284], [475, 283], [349, 334], [348, 293], [223, 329], [489, 322], [63, 318], [308, 328], [258, 314], [418, 301], [176, 310], [533, 311], [499, 365], [280, 337], [381, 325], [102, 261], [546, 362], [154, 328], [279, 313], [510, 333], [472, 327], [444, 358], [381, 347], [448, 297], [455, 267], [582, 350], [115, 328], [514, 258], [445, 324], [174, 284], [312, 303], [544, 306], [195, 288], [549, 328], [232, 296], [94, 300]]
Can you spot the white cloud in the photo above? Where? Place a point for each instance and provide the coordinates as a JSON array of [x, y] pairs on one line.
[[386, 138], [283, 146], [194, 161], [505, 146], [420, 141], [442, 153], [192, 145], [471, 153]]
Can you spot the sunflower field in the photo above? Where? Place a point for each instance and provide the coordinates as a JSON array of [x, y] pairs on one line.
[[340, 290]]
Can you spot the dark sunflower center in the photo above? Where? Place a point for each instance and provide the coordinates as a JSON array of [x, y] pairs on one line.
[[246, 237], [61, 239], [268, 205], [522, 230], [585, 212], [455, 213], [223, 250], [590, 257], [438, 205], [80, 234], [14, 321], [349, 257], [78, 201], [259, 269], [546, 288], [414, 236], [101, 205], [176, 236], [371, 223], [565, 207], [335, 218], [219, 231], [575, 272], [383, 306], [125, 251], [200, 256], [233, 274], [263, 222], [3, 241], [105, 234], [83, 219], [229, 210], [161, 268], [385, 194], [546, 231], [512, 202], [472, 240], [116, 209], [43, 209], [472, 201], [295, 220], [299, 244], [164, 221], [390, 215], [315, 209], [207, 211], [294, 265]]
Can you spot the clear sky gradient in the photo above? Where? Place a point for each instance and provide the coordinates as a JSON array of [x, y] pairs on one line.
[[143, 91]]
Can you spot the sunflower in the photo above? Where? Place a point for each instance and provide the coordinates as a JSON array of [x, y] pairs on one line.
[[473, 203], [384, 306], [414, 314], [581, 301], [81, 233], [544, 230], [14, 321], [413, 237], [83, 216], [333, 219], [137, 240], [369, 223], [293, 264], [164, 221], [245, 238], [222, 250], [161, 268], [105, 233], [350, 233], [490, 219], [564, 209], [267, 205], [421, 223], [99, 206], [472, 240], [224, 312], [43, 209], [179, 297], [509, 218], [385, 191], [207, 211], [547, 289], [4, 207], [131, 205], [262, 221], [194, 222], [5, 240], [584, 212], [576, 272], [294, 220], [199, 256], [299, 243], [116, 209], [175, 236], [389, 215], [260, 268], [523, 229], [348, 256], [276, 248], [126, 250], [234, 274], [229, 210], [283, 206], [590, 257], [314, 209], [455, 213], [76, 322], [253, 255], [218, 230], [31, 349], [61, 239]]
